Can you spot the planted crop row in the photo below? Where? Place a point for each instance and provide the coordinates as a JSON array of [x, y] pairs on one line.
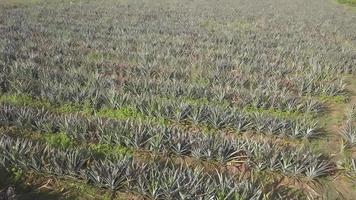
[[226, 117], [261, 156], [153, 181], [215, 117], [80, 85], [293, 86], [257, 98]]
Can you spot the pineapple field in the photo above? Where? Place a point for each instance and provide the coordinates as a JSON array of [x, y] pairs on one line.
[[178, 99]]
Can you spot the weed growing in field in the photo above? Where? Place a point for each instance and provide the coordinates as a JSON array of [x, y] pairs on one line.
[[59, 140], [104, 150], [17, 174], [20, 99], [335, 99], [122, 113]]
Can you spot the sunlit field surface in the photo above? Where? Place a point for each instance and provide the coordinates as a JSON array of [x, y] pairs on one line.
[[178, 99]]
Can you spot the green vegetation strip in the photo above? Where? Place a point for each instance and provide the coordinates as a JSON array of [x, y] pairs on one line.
[[348, 2], [63, 141], [85, 109]]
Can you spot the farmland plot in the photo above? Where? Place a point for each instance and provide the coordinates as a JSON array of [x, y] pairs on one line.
[[189, 99]]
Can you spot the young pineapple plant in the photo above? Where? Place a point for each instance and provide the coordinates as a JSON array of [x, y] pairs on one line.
[[113, 175], [68, 162], [349, 165], [348, 131], [353, 112]]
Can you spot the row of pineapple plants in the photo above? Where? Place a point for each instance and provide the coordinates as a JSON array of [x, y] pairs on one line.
[[348, 131], [290, 161], [213, 117], [100, 94], [17, 79], [317, 83], [121, 173], [257, 98], [348, 134], [227, 117]]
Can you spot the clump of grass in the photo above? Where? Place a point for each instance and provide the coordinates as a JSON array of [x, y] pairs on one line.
[[336, 99], [82, 189], [103, 150], [59, 140], [69, 108], [17, 174], [349, 165], [27, 100], [73, 108], [100, 56], [122, 113]]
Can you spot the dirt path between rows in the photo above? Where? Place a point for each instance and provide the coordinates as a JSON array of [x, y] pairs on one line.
[[333, 144]]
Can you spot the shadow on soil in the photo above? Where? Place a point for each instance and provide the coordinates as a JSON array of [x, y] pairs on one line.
[[24, 191]]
